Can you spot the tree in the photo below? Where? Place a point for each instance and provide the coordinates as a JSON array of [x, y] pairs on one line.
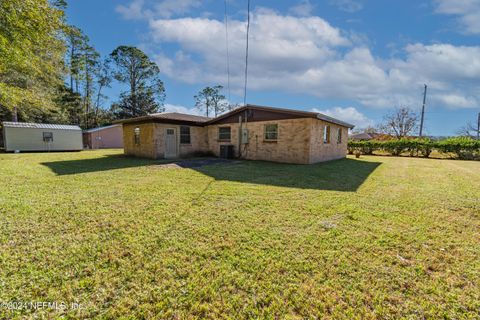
[[127, 107], [77, 41], [400, 123], [147, 91], [470, 130], [31, 51], [211, 98], [88, 74], [70, 105], [103, 80]]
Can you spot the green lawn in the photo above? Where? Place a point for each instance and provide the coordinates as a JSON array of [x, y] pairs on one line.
[[375, 237]]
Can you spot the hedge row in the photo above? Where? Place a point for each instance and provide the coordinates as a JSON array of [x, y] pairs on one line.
[[462, 148]]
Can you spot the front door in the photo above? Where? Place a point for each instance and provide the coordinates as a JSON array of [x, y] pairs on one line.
[[170, 143]]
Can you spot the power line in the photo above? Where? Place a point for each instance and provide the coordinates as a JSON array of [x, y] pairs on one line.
[[228, 54], [246, 55]]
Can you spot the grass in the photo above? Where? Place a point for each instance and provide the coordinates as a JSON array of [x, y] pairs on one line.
[[377, 237]]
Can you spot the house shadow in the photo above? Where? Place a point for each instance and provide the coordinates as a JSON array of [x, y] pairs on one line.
[[338, 175], [110, 162]]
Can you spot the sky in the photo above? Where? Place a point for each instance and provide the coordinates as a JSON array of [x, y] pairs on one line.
[[355, 60]]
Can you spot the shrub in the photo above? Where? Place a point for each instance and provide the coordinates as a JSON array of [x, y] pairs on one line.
[[463, 148]]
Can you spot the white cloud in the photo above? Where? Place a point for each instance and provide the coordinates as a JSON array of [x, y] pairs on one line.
[[169, 8], [141, 9], [307, 55], [348, 114], [303, 9], [468, 12], [347, 5], [182, 109], [133, 11]]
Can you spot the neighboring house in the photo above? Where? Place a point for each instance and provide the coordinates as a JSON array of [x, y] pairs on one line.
[[24, 136], [103, 137], [363, 136], [250, 132]]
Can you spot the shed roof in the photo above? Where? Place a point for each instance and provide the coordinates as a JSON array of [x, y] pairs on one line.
[[31, 125], [101, 128]]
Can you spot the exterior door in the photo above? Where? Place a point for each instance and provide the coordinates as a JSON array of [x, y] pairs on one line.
[[170, 143]]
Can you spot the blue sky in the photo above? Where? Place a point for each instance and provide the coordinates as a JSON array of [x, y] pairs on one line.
[[352, 59]]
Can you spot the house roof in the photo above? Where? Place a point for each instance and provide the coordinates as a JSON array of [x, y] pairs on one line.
[[182, 118], [101, 128], [30, 125], [361, 136], [291, 112], [168, 117]]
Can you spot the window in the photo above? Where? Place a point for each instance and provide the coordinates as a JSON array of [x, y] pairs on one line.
[[185, 135], [224, 134], [326, 134], [271, 132], [136, 135], [47, 136], [339, 136]]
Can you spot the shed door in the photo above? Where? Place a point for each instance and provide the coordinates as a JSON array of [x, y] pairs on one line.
[[170, 143]]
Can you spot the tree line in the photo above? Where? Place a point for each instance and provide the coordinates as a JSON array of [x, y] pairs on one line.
[[50, 72]]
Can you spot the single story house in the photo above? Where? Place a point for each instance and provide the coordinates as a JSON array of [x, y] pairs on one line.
[[23, 136], [107, 137], [249, 132], [363, 136]]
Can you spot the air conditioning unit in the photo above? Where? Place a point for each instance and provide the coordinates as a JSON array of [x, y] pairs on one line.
[[227, 151]]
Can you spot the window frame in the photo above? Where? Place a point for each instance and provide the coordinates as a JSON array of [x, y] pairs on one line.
[[185, 135], [326, 134], [229, 134], [47, 136], [339, 136], [136, 136], [265, 132]]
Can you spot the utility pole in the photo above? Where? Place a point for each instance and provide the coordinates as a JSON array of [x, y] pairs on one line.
[[423, 110], [478, 127]]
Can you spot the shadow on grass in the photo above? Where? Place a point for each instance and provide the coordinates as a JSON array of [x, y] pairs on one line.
[[339, 175], [106, 163]]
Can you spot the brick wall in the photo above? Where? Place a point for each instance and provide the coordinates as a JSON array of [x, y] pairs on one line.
[[292, 145], [147, 147], [320, 151], [299, 141], [152, 140]]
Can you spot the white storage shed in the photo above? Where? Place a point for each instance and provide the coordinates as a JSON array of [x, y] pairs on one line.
[[24, 136]]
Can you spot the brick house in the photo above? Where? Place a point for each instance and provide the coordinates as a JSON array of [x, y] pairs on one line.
[[249, 132]]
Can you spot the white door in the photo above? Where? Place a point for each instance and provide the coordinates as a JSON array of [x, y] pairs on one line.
[[170, 143]]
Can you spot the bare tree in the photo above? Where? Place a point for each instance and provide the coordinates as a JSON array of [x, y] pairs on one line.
[[469, 130], [400, 123]]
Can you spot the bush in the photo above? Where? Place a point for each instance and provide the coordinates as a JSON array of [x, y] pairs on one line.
[[463, 148]]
